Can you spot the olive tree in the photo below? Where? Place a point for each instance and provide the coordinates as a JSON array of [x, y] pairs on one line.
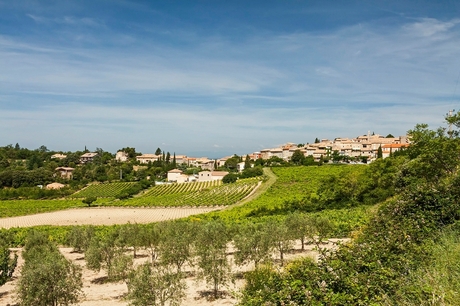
[[176, 244], [254, 243], [151, 285], [103, 253], [211, 252], [47, 277]]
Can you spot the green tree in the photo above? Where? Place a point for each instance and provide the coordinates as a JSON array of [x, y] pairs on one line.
[[7, 264], [300, 227], [175, 246], [150, 285], [281, 237], [230, 178], [79, 237], [232, 162], [47, 277], [254, 243], [297, 157], [379, 152], [103, 253], [211, 252], [89, 200], [247, 162], [158, 151]]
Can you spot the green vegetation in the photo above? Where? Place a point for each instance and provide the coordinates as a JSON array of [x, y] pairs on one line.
[[195, 194], [7, 264], [13, 208], [47, 278], [400, 257], [103, 190], [402, 214]]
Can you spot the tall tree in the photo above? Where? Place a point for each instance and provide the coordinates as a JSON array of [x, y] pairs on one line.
[[210, 248], [380, 152]]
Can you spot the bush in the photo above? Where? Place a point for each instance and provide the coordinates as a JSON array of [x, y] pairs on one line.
[[230, 178]]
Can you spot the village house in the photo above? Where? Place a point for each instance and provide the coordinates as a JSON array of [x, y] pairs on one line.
[[121, 156], [65, 172], [206, 176], [389, 149], [87, 157], [147, 158], [58, 156], [177, 175]]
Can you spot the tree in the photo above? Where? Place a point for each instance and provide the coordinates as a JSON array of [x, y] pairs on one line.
[[389, 136], [89, 200], [150, 285], [297, 157], [175, 247], [379, 152], [300, 226], [232, 162], [282, 239], [150, 237], [80, 237], [7, 264], [230, 178], [103, 253], [210, 249], [47, 277], [158, 151], [247, 162], [174, 163], [317, 140], [254, 244]]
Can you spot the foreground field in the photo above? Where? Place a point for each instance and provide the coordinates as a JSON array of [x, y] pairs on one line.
[[97, 292], [102, 216]]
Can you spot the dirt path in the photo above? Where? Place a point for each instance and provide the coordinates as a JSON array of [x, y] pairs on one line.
[[103, 216]]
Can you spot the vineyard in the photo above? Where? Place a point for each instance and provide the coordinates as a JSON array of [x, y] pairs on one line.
[[13, 208], [106, 190], [291, 183], [195, 194]]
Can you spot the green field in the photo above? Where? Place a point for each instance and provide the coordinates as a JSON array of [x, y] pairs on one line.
[[195, 194], [13, 208], [106, 190], [292, 183]]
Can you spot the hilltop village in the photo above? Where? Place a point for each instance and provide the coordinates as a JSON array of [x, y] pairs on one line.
[[20, 167], [360, 149]]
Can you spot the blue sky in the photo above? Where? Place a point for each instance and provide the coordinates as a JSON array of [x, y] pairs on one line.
[[213, 78]]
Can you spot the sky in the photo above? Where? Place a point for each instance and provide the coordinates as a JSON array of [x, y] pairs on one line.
[[215, 78]]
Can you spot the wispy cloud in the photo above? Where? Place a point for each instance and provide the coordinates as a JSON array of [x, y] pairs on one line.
[[142, 83], [67, 20]]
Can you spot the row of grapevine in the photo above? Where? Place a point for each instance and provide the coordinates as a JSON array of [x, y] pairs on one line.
[[180, 188], [103, 190], [13, 208], [195, 194]]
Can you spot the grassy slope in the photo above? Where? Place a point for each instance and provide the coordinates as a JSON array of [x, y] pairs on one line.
[[295, 183]]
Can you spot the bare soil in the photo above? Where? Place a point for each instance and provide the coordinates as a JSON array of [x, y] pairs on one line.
[[98, 292]]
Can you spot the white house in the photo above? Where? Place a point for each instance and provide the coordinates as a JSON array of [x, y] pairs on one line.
[[146, 158], [206, 176], [174, 175], [121, 156]]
